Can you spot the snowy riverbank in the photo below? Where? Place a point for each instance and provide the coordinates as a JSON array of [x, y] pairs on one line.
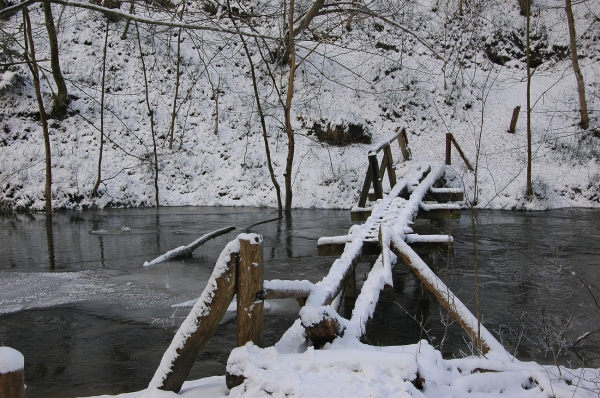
[[379, 88]]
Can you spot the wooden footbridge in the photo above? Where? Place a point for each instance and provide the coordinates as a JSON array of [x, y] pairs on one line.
[[415, 190]]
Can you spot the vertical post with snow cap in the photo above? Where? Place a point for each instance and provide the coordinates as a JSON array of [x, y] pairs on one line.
[[12, 375], [250, 296]]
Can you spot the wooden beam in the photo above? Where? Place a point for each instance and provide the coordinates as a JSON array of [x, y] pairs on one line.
[[439, 212], [444, 296], [360, 214], [421, 244], [278, 289], [445, 195], [184, 351]]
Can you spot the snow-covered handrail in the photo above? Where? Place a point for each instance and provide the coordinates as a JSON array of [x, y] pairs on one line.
[[200, 324], [278, 289], [479, 334], [378, 147], [187, 250]]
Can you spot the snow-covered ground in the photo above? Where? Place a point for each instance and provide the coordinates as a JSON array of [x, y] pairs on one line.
[[354, 79], [358, 370]]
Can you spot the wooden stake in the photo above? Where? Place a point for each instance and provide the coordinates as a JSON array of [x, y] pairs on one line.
[[250, 302], [448, 149], [513, 121], [12, 384]]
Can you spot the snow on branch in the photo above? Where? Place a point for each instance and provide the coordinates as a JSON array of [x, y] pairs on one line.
[[187, 250]]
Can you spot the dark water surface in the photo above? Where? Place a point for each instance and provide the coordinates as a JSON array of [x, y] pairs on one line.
[[89, 319]]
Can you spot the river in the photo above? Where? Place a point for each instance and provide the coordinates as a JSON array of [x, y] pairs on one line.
[[90, 319]]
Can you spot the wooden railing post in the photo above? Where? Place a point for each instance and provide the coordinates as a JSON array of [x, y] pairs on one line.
[[448, 149], [250, 295], [364, 193], [403, 143], [389, 165], [12, 375], [513, 121], [377, 187]]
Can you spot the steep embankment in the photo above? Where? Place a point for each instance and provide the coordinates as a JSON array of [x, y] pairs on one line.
[[375, 77]]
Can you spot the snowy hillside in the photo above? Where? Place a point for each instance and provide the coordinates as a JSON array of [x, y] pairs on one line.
[[374, 76]]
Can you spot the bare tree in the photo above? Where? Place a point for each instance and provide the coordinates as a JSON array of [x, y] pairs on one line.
[[585, 118], [261, 115], [33, 67], [102, 88], [154, 163], [178, 64], [288, 109], [60, 100], [528, 55]]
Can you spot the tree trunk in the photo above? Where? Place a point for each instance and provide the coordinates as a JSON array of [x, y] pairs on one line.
[[99, 179], [174, 110], [60, 102], [585, 119], [288, 109], [528, 50], [525, 5], [261, 116], [33, 67], [151, 115]]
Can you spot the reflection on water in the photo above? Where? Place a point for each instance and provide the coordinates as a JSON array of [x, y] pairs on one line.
[[76, 301], [50, 240], [532, 298], [89, 319]]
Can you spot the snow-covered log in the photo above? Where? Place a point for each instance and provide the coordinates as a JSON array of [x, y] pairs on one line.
[[182, 251]]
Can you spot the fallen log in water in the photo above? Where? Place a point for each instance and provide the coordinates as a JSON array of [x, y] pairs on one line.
[[182, 251]]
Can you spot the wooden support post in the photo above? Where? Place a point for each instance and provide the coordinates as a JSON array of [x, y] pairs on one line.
[[390, 165], [448, 149], [513, 121], [350, 294], [375, 176], [12, 375], [364, 194], [250, 302], [403, 143], [382, 166]]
